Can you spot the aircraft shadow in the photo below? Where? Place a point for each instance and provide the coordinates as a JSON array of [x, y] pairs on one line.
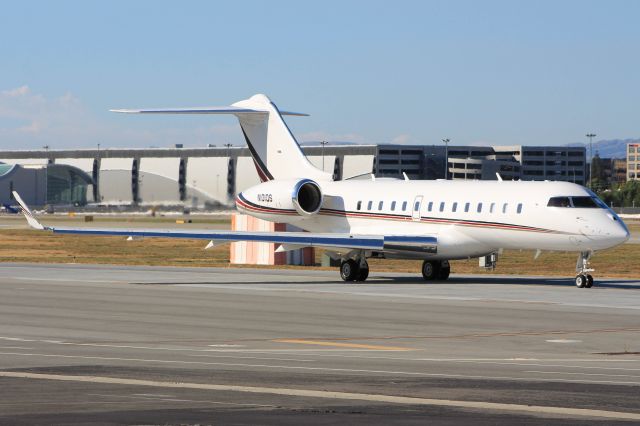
[[477, 280]]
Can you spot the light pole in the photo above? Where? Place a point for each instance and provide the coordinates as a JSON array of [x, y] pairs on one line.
[[446, 157], [590, 136], [228, 145], [323, 143]]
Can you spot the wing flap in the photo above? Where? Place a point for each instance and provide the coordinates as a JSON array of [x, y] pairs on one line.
[[424, 243], [304, 239]]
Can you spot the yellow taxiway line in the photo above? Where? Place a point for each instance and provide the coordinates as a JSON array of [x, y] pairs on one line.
[[343, 345]]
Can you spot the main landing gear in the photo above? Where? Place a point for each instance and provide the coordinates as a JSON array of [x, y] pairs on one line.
[[358, 269], [583, 279], [352, 270], [435, 270]]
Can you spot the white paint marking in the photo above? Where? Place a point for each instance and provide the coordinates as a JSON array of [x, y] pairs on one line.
[[583, 374], [347, 396], [153, 395], [171, 398], [341, 370], [159, 348], [389, 295], [563, 341], [226, 346], [67, 280], [252, 357]]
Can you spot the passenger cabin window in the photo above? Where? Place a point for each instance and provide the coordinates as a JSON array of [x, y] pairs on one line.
[[393, 206], [442, 206], [380, 205], [430, 206], [404, 206], [369, 205], [359, 205], [416, 206], [479, 207], [519, 210], [504, 208], [466, 207], [454, 207], [492, 207]]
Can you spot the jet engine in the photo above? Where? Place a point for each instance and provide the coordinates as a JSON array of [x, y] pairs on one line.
[[275, 197]]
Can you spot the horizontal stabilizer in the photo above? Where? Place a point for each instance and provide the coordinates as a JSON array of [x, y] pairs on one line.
[[205, 110]]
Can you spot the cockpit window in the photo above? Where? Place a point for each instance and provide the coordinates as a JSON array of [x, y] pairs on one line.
[[584, 202], [559, 202], [592, 202]]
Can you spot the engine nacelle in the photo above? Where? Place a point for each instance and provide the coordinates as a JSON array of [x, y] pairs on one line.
[[274, 197]]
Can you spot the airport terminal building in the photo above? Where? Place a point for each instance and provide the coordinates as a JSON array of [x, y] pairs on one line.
[[209, 178]]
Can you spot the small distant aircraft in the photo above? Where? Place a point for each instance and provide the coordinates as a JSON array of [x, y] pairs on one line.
[[433, 221], [10, 209]]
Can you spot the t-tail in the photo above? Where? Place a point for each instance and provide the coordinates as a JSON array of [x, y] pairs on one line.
[[275, 151]]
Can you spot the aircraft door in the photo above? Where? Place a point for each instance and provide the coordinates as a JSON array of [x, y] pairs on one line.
[[417, 203]]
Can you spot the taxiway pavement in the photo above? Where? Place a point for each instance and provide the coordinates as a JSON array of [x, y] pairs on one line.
[[114, 344]]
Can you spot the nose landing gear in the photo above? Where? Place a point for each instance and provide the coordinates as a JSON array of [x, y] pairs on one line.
[[583, 279]]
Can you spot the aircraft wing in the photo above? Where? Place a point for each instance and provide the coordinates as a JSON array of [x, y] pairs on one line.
[[426, 244]]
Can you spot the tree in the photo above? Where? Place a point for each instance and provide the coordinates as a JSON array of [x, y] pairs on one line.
[[625, 195]]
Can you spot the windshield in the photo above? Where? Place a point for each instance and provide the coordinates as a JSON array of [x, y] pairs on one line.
[[586, 202]]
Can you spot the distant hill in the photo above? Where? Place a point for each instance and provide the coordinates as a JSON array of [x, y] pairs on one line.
[[612, 148]]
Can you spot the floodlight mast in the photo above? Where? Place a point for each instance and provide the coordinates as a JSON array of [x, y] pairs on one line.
[[446, 157], [591, 136]]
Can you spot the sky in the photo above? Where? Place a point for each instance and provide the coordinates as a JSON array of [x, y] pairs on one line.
[[476, 72]]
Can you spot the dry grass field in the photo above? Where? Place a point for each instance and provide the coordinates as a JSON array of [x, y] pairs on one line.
[[23, 245]]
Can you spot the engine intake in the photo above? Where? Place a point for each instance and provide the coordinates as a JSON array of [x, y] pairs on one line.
[[307, 197]]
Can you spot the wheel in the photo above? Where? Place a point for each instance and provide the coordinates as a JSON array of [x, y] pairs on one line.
[[430, 270], [363, 270], [581, 281], [349, 270], [589, 283], [445, 270], [363, 274]]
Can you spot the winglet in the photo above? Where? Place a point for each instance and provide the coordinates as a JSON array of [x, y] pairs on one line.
[[33, 222]]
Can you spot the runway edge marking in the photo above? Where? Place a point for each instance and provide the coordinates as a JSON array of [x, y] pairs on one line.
[[538, 409]]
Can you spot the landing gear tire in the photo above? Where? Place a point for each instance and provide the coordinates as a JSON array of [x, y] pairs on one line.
[[581, 281], [363, 274], [445, 270], [589, 281], [430, 270], [349, 270]]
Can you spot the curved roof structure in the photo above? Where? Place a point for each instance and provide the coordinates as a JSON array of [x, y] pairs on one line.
[[6, 168]]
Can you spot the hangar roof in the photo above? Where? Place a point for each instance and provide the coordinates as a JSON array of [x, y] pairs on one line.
[[5, 168]]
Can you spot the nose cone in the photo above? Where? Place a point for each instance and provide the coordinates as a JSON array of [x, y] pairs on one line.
[[620, 233], [624, 233]]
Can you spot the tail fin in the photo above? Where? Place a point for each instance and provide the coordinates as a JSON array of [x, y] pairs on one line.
[[31, 220], [275, 151]]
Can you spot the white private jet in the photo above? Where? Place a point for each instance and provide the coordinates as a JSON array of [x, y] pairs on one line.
[[434, 221]]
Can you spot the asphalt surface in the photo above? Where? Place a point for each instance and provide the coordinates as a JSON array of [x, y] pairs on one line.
[[84, 344]]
